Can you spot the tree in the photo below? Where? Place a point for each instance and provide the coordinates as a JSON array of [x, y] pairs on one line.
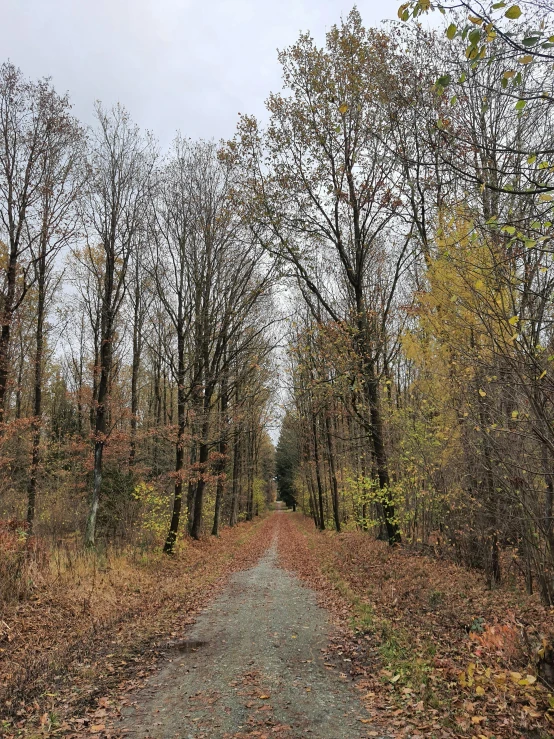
[[286, 461], [57, 215], [211, 281], [32, 122], [319, 187], [121, 163]]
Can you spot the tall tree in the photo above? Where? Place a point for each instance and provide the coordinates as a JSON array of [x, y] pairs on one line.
[[121, 162], [321, 192], [57, 215], [32, 117]]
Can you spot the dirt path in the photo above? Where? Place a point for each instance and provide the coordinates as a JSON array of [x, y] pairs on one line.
[[260, 671]]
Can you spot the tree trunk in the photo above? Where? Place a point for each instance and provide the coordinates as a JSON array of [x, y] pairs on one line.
[[169, 546], [318, 475], [135, 374], [235, 483], [5, 333], [222, 461], [381, 463], [37, 404], [100, 426], [250, 477], [335, 487], [203, 453]]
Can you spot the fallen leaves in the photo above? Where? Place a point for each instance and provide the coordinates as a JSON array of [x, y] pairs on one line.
[[115, 634], [435, 651]]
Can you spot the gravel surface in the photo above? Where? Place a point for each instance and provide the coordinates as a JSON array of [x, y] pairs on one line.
[[259, 672]]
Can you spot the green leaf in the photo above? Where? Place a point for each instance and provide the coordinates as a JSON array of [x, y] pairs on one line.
[[463, 78], [530, 40], [509, 230], [532, 159], [496, 6], [451, 31], [521, 104], [444, 81], [513, 13]]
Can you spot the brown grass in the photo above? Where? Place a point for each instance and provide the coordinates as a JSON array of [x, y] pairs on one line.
[[82, 618]]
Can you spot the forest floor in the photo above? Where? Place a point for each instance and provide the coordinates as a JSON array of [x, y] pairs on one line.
[[434, 652], [276, 629]]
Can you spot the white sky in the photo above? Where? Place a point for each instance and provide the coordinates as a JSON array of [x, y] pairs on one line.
[[191, 65]]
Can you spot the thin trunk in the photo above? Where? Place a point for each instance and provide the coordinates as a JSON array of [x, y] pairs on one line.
[[203, 455], [100, 422], [222, 461], [171, 538], [318, 474], [250, 477], [19, 384], [135, 373], [157, 414], [333, 473], [37, 404], [381, 464], [548, 502], [5, 333], [376, 427], [235, 483]]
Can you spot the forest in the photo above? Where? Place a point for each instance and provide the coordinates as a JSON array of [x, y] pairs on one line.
[[412, 204], [371, 269]]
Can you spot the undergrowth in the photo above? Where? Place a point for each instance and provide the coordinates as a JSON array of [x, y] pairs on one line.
[[88, 617], [433, 648]]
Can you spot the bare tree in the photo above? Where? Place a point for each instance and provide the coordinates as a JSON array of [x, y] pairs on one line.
[[57, 216], [32, 116], [210, 279], [121, 163]]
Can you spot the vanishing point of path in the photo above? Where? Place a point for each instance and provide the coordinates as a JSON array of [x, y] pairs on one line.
[[252, 666]]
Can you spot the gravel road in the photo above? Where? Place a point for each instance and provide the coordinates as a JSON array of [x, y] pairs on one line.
[[258, 673]]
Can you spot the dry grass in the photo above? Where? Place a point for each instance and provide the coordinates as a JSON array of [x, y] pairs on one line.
[[76, 616]]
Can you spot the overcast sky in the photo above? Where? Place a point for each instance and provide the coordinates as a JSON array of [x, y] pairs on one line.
[[191, 65]]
